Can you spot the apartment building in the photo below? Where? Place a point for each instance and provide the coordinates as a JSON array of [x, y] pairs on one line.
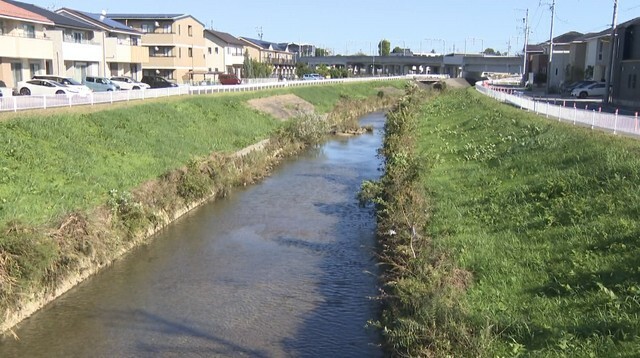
[[25, 49], [224, 52], [175, 44], [123, 53], [272, 53]]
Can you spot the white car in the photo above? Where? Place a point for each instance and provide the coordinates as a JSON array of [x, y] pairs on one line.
[[67, 81], [128, 83], [594, 89], [4, 90], [44, 88]]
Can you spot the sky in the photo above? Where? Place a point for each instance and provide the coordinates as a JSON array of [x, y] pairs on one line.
[[350, 26]]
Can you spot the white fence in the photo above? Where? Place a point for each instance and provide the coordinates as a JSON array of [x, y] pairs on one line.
[[594, 118], [18, 103]]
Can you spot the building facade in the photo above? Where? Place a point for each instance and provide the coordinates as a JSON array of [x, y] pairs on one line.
[[224, 52], [123, 53], [625, 85], [175, 44], [275, 54]]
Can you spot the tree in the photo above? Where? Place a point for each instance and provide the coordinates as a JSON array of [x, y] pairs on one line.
[[247, 66], [490, 51], [384, 47], [397, 49], [302, 69], [320, 52]]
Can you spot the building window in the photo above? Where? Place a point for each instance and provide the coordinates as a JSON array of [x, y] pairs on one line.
[[166, 28], [190, 30], [190, 51], [633, 81], [29, 31], [179, 52], [146, 28], [1, 27], [216, 50], [34, 68], [209, 50]]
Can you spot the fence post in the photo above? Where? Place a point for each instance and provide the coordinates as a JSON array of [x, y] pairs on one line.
[[15, 104], [636, 121], [547, 109], [593, 119], [70, 104], [615, 123], [111, 97], [44, 102], [575, 113]]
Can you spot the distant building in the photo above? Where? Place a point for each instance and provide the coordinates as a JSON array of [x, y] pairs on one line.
[[625, 83], [224, 52], [275, 54]]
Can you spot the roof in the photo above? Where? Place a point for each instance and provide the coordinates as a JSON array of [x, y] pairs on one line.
[[97, 20], [633, 21], [13, 11], [593, 35], [228, 38], [266, 44], [173, 17], [57, 19]]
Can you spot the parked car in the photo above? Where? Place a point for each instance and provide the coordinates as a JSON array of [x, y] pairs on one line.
[[67, 81], [312, 77], [44, 88], [594, 89], [229, 79], [100, 84], [573, 85], [4, 90], [157, 82], [128, 83]]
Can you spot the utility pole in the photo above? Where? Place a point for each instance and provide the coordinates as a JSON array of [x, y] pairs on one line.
[[526, 43], [553, 16], [614, 38]]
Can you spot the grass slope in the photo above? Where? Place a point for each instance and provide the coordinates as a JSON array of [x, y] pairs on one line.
[[69, 160], [545, 217]]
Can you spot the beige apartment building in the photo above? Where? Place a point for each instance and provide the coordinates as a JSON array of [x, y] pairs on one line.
[[175, 44], [272, 53], [25, 48], [123, 53]]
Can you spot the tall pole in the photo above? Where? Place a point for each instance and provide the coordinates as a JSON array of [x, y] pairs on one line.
[[526, 43], [553, 16], [614, 36]]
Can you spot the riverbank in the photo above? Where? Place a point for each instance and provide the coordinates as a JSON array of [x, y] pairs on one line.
[[504, 234], [81, 189]]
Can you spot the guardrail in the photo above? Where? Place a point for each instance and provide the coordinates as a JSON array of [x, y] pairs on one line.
[[589, 117], [19, 103]]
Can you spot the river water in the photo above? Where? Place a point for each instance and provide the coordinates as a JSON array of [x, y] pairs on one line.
[[285, 268]]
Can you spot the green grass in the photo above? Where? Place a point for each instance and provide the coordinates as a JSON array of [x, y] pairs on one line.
[[51, 165], [545, 217]]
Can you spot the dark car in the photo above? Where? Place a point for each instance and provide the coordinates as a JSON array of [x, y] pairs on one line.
[[157, 82], [229, 79]]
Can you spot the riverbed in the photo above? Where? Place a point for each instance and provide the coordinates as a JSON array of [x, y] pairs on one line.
[[283, 268]]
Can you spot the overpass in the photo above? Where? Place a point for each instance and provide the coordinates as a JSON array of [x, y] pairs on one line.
[[454, 65]]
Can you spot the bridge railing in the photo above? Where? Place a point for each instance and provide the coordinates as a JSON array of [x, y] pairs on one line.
[[593, 117], [19, 103]]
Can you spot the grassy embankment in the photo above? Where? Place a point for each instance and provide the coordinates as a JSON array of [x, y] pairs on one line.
[[78, 187], [526, 240]]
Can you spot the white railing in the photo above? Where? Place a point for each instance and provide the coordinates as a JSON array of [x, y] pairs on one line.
[[19, 103], [593, 117]]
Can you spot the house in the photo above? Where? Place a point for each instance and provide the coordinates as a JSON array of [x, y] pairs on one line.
[[301, 49], [123, 51], [589, 57], [271, 53], [539, 61], [175, 43], [75, 50], [25, 50], [625, 87], [224, 52]]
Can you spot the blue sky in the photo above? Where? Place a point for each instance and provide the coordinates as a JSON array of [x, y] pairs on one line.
[[349, 26]]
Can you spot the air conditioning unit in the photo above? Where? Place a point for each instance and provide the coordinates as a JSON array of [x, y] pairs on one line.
[[157, 24]]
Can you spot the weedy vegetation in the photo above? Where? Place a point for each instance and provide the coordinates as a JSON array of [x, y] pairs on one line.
[[504, 234]]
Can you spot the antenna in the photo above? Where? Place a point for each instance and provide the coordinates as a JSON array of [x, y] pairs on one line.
[[260, 33], [211, 28]]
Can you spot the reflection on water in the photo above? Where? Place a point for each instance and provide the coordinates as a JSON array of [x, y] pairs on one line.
[[284, 268]]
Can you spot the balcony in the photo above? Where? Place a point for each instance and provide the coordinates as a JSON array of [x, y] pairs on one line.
[[162, 61], [74, 51], [157, 38], [26, 47], [121, 51], [279, 61]]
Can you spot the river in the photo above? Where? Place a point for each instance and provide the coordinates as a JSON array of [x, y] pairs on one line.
[[284, 268]]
